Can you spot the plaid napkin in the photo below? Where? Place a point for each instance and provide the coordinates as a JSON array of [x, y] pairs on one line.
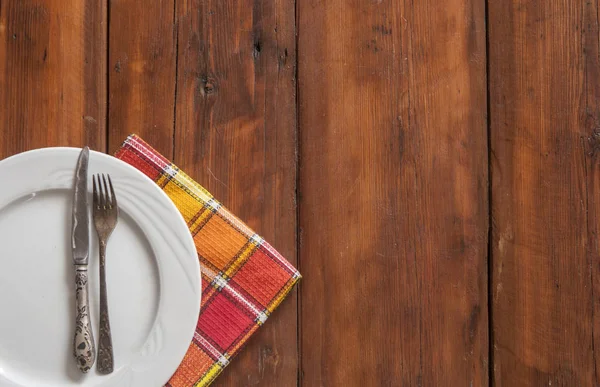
[[244, 278]]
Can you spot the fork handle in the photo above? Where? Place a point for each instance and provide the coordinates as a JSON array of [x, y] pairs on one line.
[[83, 341], [105, 348]]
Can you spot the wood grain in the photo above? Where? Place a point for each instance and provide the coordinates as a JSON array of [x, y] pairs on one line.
[[236, 134], [142, 58], [544, 140], [389, 135], [394, 198], [52, 74]]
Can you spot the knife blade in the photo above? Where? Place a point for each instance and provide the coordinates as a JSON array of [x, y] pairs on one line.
[[81, 218], [83, 340]]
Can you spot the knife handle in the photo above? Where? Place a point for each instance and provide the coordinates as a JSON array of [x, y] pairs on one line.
[[83, 342]]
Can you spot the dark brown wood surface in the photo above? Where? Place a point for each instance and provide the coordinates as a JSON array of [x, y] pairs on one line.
[[141, 72], [52, 74], [545, 136], [393, 193], [376, 144]]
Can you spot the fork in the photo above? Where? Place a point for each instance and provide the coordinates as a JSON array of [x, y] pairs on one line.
[[106, 214]]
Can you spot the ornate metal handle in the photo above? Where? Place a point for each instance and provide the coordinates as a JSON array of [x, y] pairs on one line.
[[83, 342], [105, 348]]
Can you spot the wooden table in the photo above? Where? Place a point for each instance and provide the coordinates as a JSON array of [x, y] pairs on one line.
[[431, 167]]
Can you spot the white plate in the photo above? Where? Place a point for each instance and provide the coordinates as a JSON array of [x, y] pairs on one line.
[[153, 275]]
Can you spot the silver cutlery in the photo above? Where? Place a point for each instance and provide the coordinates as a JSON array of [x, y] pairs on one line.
[[83, 341], [106, 214]]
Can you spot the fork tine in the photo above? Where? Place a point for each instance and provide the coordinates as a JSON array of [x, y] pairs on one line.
[[101, 192], [113, 197], [107, 202], [95, 191]]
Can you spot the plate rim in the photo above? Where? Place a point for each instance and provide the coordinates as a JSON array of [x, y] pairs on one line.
[[157, 190]]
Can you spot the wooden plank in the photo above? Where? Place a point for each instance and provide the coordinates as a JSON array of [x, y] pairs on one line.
[[236, 135], [142, 66], [544, 137], [590, 122], [394, 195], [52, 74]]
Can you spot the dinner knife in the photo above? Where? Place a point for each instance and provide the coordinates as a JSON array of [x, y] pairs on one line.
[[83, 341]]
